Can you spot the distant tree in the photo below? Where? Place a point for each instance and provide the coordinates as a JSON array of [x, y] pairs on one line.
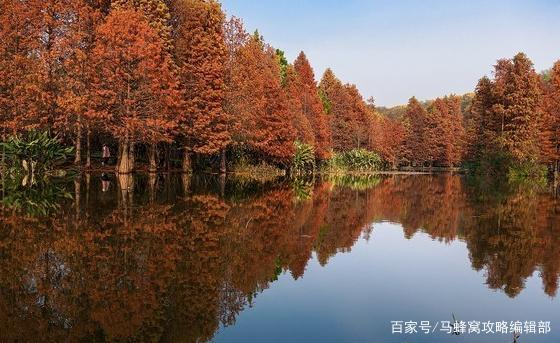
[[283, 63], [480, 128], [444, 131], [387, 137], [415, 121], [517, 107], [338, 105], [312, 107], [293, 87], [358, 118]]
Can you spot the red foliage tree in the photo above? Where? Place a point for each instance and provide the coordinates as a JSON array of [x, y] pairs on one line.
[[313, 107], [258, 103], [136, 91], [336, 101], [517, 107], [387, 138], [415, 148], [550, 123], [75, 96], [358, 118], [201, 55], [293, 88], [443, 134], [19, 88]]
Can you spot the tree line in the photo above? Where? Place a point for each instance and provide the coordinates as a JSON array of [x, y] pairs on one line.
[[177, 80]]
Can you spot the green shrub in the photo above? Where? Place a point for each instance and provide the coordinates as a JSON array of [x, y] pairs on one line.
[[35, 152], [354, 182], [357, 160], [528, 170], [303, 188], [304, 158], [40, 198]]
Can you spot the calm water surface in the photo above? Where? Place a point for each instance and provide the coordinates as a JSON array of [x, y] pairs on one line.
[[171, 258]]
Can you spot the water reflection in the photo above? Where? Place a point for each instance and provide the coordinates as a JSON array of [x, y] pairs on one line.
[[171, 258]]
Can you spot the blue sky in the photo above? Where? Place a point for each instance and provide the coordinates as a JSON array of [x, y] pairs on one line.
[[393, 50]]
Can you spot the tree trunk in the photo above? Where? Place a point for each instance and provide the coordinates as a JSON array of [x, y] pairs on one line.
[[223, 185], [126, 157], [167, 156], [78, 157], [152, 157], [131, 155], [126, 186], [186, 179], [152, 182], [223, 162], [187, 165], [88, 178], [77, 193], [88, 148]]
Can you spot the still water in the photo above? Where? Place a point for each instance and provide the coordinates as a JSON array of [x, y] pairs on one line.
[[171, 258]]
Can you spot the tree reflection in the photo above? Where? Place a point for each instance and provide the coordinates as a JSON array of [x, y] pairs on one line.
[[164, 258]]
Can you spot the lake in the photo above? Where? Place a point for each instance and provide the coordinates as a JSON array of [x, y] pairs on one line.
[[341, 259]]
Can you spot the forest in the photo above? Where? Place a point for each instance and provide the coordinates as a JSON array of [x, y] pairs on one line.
[[178, 85]]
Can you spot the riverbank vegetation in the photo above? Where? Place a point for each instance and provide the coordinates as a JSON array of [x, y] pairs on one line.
[[178, 85]]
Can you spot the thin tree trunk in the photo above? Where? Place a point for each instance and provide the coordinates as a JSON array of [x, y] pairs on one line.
[[88, 178], [131, 156], [186, 179], [77, 193], [152, 157], [187, 165], [223, 163], [152, 181], [3, 166], [223, 185], [167, 156], [88, 148], [78, 158]]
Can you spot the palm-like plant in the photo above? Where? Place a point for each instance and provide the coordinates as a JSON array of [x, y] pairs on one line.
[[304, 158], [35, 152]]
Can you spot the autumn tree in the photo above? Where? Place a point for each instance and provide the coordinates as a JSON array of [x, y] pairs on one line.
[[550, 123], [312, 107], [358, 117], [387, 138], [443, 135], [201, 54], [336, 102], [479, 124], [19, 66], [415, 123], [75, 96], [136, 90], [157, 15], [258, 103], [517, 107], [508, 112], [293, 87]]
